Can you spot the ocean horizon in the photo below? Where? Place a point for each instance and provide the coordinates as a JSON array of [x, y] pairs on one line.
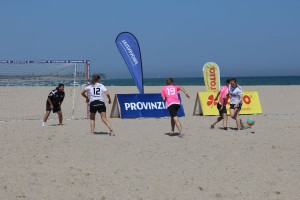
[[243, 81], [250, 80]]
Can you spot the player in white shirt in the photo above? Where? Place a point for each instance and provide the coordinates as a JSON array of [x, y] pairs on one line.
[[96, 100], [236, 102]]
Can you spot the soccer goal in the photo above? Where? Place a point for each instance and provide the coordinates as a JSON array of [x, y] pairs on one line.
[[25, 85]]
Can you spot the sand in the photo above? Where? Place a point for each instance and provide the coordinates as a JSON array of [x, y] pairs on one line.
[[142, 162]]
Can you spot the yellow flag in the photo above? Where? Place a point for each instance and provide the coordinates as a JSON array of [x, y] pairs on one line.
[[211, 75]]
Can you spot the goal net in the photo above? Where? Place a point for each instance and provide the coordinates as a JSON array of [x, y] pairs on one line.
[[25, 85]]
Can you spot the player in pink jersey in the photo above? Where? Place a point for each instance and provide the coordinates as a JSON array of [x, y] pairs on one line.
[[223, 96], [169, 93]]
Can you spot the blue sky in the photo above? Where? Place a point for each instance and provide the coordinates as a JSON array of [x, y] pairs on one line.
[[245, 38]]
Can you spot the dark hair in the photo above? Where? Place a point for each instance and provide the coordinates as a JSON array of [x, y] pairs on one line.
[[169, 81], [233, 79], [59, 85], [95, 78], [228, 81]]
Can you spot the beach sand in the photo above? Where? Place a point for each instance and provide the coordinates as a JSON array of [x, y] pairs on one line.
[[142, 162]]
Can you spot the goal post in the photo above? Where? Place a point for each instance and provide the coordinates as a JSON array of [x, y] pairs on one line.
[[25, 85]]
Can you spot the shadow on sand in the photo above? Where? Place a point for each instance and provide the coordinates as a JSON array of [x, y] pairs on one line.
[[56, 125], [101, 133], [172, 134]]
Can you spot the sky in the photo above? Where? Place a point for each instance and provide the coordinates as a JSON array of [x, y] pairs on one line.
[[245, 38]]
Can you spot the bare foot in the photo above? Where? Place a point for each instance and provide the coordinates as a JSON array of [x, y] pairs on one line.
[[181, 135], [112, 133], [242, 124]]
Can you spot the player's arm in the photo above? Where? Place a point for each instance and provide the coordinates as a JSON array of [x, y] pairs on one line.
[[108, 96], [185, 92], [217, 97], [226, 96], [222, 103], [60, 102], [50, 102], [163, 95], [49, 99], [83, 93], [241, 98], [62, 99]]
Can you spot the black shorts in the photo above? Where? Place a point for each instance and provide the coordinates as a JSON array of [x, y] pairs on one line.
[[239, 106], [221, 112], [97, 106], [56, 107], [173, 109]]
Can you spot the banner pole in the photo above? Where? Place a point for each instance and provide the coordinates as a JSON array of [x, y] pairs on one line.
[[87, 75]]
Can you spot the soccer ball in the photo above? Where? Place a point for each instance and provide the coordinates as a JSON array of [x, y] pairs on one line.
[[250, 121]]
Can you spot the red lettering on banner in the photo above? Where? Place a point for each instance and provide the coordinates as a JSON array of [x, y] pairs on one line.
[[212, 75], [246, 99]]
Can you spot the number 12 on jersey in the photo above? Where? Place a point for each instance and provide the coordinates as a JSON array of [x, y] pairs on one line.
[[96, 91]]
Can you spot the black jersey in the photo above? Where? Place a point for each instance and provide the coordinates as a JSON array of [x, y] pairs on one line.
[[56, 96]]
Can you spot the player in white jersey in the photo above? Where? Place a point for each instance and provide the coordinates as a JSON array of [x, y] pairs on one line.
[[96, 100], [236, 102]]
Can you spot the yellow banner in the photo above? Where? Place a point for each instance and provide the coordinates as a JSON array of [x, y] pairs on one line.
[[211, 75], [205, 104]]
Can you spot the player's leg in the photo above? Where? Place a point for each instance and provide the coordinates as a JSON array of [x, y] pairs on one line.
[[48, 110], [178, 124], [233, 115], [92, 122], [173, 109], [93, 111], [172, 125], [232, 111], [56, 109], [107, 123], [225, 120], [237, 118], [223, 114], [46, 118], [218, 120], [219, 106], [239, 122], [60, 117]]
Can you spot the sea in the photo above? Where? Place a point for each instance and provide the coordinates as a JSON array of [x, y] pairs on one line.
[[261, 80], [271, 80]]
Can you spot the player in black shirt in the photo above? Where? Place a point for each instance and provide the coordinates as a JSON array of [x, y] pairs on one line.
[[54, 101]]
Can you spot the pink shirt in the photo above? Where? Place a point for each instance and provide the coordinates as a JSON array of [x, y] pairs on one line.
[[170, 92], [224, 95]]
